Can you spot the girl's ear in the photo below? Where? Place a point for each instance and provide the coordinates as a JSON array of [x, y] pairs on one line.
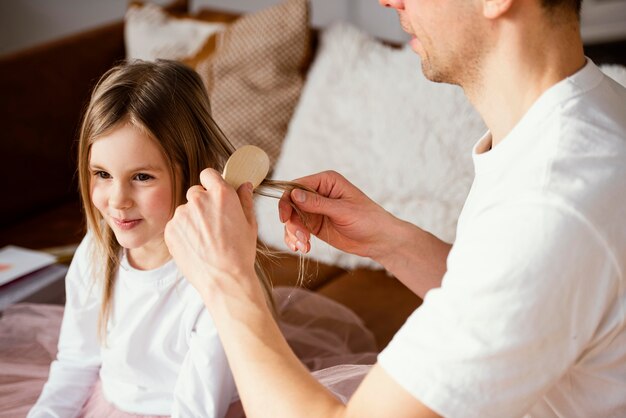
[[492, 9]]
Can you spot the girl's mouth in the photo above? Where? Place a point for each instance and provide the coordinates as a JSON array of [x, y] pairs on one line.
[[126, 224]]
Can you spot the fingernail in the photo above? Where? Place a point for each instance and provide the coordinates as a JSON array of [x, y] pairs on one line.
[[300, 235], [293, 247], [298, 195], [301, 246]]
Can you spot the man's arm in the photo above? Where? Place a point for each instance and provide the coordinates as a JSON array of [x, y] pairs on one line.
[[212, 238], [342, 215], [415, 257], [273, 382]]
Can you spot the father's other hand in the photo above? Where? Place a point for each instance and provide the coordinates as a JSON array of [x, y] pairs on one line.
[[212, 237], [338, 213]]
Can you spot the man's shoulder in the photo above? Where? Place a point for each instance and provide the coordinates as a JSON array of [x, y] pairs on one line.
[[599, 102], [589, 126]]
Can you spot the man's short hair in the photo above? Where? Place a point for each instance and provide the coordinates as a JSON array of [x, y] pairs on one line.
[[555, 5]]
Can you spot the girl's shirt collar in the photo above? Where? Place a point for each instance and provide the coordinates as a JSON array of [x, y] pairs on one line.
[[162, 275]]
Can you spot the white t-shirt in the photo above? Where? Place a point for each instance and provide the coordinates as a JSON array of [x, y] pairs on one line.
[[162, 355], [531, 314]]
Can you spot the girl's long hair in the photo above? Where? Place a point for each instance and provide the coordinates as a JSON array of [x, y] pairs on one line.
[[168, 101]]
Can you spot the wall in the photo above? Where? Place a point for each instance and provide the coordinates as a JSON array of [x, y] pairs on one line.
[[366, 14], [25, 23], [602, 20]]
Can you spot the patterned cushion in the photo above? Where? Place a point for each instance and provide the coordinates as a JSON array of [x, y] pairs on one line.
[[256, 75]]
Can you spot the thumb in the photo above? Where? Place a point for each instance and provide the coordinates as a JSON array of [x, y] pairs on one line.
[[247, 203], [313, 202]]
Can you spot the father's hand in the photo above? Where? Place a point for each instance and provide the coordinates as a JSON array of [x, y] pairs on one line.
[[212, 237], [338, 213]]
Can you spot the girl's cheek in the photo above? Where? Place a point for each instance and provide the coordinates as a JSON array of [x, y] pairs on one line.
[[98, 198], [160, 202]]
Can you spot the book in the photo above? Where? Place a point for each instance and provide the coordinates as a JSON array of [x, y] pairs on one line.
[[16, 262]]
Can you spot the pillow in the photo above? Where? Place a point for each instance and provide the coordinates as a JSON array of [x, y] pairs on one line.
[[367, 112], [150, 33], [256, 75]]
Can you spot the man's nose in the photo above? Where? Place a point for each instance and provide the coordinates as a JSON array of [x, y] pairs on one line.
[[395, 4]]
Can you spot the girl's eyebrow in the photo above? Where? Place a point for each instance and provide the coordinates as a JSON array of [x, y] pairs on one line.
[[134, 170], [146, 168]]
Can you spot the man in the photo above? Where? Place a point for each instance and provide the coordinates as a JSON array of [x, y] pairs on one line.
[[526, 312]]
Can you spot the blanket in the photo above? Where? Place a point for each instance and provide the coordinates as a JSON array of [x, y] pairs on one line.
[[327, 337]]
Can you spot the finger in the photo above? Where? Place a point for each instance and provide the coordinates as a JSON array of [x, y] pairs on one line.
[[290, 241], [210, 178], [194, 190], [327, 184], [172, 234], [296, 242], [298, 233], [168, 233], [284, 207], [296, 228], [315, 181], [247, 203], [313, 202], [323, 183]]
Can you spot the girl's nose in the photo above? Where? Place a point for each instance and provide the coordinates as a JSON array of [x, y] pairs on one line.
[[120, 196]]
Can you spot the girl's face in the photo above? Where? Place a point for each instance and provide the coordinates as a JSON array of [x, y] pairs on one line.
[[131, 186]]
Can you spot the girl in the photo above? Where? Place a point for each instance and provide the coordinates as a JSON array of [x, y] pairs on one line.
[[135, 337]]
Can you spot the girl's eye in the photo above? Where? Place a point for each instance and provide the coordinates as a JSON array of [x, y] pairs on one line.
[[102, 174], [143, 177]]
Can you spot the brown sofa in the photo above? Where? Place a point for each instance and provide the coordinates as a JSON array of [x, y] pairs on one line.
[[44, 91]]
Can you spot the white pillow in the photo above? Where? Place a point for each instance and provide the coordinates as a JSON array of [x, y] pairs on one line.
[[151, 33], [367, 112]]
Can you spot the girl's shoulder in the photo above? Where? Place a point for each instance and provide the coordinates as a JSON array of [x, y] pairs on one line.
[[195, 311]]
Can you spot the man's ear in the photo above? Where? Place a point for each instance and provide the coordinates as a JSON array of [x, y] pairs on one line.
[[493, 9]]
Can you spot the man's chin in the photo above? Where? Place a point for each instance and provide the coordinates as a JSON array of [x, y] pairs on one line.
[[431, 74], [427, 68], [428, 72]]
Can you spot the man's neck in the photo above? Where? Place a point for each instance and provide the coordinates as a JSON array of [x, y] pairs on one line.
[[524, 63]]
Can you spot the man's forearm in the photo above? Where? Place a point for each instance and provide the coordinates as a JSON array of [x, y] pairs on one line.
[[270, 379], [272, 382], [415, 257]]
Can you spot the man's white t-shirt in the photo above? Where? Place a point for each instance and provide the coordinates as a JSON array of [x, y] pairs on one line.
[[531, 314], [162, 356]]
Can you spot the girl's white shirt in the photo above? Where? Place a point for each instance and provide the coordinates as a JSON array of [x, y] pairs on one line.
[[162, 355]]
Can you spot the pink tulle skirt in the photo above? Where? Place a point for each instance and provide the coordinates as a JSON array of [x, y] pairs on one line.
[[327, 337]]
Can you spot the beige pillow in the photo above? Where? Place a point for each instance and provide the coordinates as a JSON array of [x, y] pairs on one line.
[[256, 75]]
